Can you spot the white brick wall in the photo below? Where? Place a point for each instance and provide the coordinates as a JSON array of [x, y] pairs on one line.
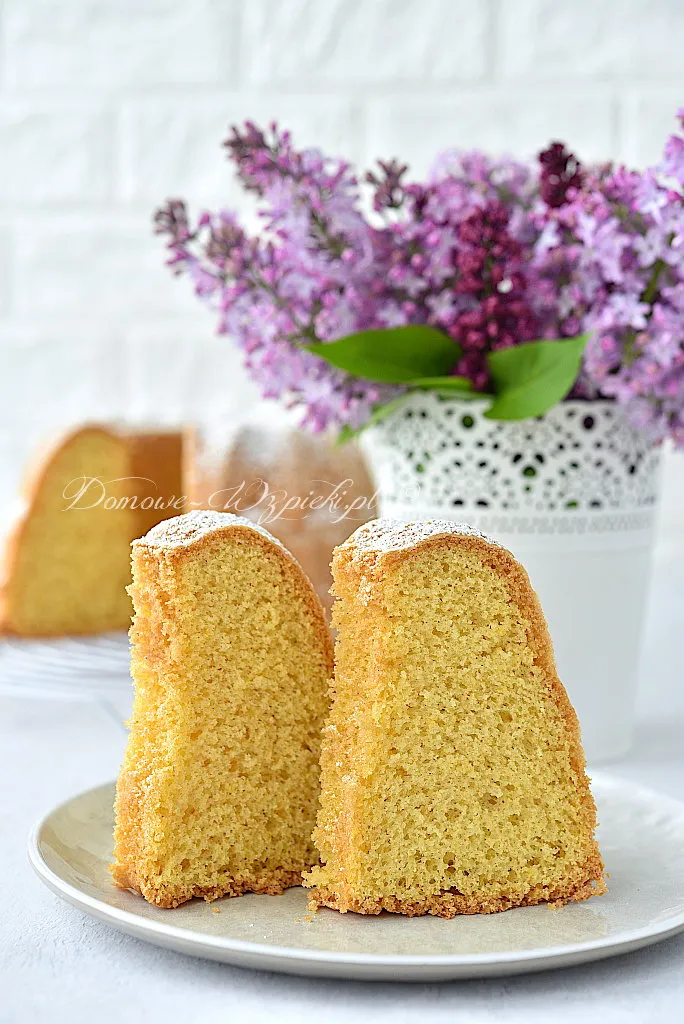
[[511, 121], [108, 107], [342, 44], [615, 40], [94, 45]]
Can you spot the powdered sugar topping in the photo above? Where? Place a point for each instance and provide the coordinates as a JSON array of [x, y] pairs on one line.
[[182, 531], [384, 535]]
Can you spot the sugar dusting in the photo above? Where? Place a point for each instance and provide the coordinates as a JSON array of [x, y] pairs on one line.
[[182, 531], [384, 535]]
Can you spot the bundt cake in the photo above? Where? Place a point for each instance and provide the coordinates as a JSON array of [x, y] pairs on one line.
[[155, 459], [67, 560], [308, 492], [453, 776], [231, 662]]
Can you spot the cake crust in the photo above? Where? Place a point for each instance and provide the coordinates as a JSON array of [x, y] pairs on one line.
[[263, 883], [448, 905]]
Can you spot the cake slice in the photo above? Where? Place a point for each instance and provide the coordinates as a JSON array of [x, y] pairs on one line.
[[67, 558], [66, 568], [453, 776], [231, 663]]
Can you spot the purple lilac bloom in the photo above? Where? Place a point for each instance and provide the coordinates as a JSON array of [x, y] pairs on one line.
[[493, 252], [560, 176], [615, 267]]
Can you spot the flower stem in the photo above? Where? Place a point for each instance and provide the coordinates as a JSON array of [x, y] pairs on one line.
[[651, 289]]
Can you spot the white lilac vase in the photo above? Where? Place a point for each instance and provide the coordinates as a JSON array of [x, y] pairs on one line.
[[573, 494]]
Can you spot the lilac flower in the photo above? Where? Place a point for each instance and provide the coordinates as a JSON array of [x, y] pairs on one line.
[[672, 165], [616, 265], [493, 252], [622, 310], [388, 188], [652, 198], [490, 278], [561, 173], [666, 339], [605, 237]]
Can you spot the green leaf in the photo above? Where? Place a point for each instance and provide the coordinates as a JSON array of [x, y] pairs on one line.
[[443, 383], [380, 412], [391, 355], [528, 379], [347, 433], [462, 396]]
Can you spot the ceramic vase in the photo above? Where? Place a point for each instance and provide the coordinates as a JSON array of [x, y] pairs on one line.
[[573, 494]]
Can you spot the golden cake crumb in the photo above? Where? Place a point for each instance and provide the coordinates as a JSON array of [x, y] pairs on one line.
[[453, 776], [231, 661]]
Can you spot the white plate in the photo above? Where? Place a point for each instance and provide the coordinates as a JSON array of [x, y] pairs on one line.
[[641, 836]]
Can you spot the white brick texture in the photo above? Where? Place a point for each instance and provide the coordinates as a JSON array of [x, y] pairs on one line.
[[90, 382], [363, 42], [647, 118], [100, 44], [103, 270], [109, 106], [522, 124], [55, 153], [625, 39]]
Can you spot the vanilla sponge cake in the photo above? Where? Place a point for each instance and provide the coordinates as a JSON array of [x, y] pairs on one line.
[[453, 776], [231, 662], [65, 569], [66, 563]]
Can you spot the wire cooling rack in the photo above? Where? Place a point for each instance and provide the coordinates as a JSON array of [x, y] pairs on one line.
[[69, 668]]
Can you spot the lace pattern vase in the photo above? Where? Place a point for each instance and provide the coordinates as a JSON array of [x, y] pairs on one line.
[[574, 495]]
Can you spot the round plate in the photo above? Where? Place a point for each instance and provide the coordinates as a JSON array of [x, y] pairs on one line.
[[71, 849]]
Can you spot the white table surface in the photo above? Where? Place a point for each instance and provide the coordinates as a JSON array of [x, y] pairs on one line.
[[58, 965]]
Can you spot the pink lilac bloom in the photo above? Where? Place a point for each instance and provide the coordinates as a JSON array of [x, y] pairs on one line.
[[493, 252]]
